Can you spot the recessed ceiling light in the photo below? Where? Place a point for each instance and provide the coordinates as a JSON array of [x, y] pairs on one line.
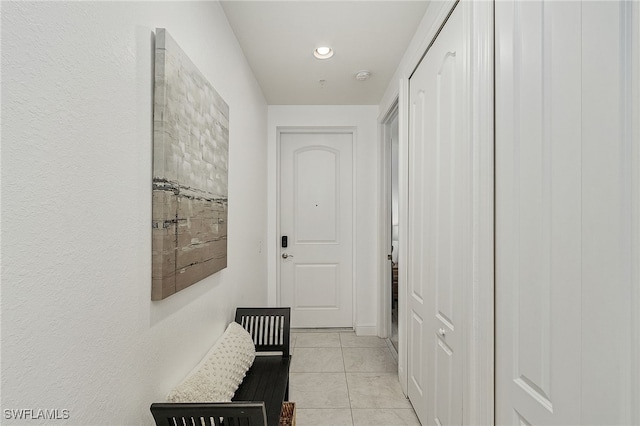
[[323, 52]]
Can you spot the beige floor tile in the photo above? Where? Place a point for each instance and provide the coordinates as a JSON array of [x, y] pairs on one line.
[[350, 340], [370, 360], [318, 390], [317, 360], [317, 340], [387, 417], [376, 390], [323, 417]]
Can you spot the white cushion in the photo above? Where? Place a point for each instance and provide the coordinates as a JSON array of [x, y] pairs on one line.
[[217, 377]]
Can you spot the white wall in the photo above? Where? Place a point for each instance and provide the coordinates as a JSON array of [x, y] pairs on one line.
[[364, 118], [79, 331]]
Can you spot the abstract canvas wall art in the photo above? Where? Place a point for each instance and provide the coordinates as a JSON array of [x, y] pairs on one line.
[[190, 165]]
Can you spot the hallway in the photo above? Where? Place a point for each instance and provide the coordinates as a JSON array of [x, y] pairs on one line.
[[338, 378]]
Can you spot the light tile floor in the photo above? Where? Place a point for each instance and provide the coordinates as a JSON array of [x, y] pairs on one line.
[[338, 378]]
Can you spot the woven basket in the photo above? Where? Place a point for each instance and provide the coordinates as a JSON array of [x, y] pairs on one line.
[[288, 414]]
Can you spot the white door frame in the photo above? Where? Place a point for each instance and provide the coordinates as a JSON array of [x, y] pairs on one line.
[[479, 383], [327, 130], [478, 362], [635, 162]]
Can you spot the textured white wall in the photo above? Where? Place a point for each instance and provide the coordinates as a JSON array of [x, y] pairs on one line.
[[364, 118], [79, 331]]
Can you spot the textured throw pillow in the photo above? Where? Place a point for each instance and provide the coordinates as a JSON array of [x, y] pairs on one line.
[[221, 371]]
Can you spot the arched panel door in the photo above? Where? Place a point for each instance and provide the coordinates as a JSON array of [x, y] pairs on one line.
[[316, 192]]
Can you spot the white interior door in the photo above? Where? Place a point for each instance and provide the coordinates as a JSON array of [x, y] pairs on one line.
[[566, 253], [316, 215], [440, 211]]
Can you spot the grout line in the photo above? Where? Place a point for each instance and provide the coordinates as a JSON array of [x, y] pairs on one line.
[[344, 364]]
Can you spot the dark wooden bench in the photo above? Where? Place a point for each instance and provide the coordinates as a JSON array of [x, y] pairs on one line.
[[258, 400]]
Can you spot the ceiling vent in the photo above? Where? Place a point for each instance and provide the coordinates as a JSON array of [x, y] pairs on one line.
[[363, 75]]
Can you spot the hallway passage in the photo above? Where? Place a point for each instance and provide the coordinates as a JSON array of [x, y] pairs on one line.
[[338, 378]]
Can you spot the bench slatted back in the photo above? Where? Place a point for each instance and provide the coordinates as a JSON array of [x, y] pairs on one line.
[[269, 328], [202, 414]]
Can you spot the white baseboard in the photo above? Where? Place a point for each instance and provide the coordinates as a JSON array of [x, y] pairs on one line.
[[366, 330]]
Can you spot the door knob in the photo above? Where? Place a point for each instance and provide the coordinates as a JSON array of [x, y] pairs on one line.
[[442, 332], [285, 255]]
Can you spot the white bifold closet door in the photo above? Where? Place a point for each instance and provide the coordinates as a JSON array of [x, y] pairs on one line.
[[440, 211], [567, 212]]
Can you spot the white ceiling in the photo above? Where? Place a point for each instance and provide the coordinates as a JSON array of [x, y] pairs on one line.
[[278, 39]]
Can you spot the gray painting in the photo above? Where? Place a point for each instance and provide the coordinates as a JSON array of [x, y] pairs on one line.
[[190, 163]]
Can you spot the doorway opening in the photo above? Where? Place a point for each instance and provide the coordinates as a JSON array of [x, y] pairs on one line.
[[395, 225], [389, 228]]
